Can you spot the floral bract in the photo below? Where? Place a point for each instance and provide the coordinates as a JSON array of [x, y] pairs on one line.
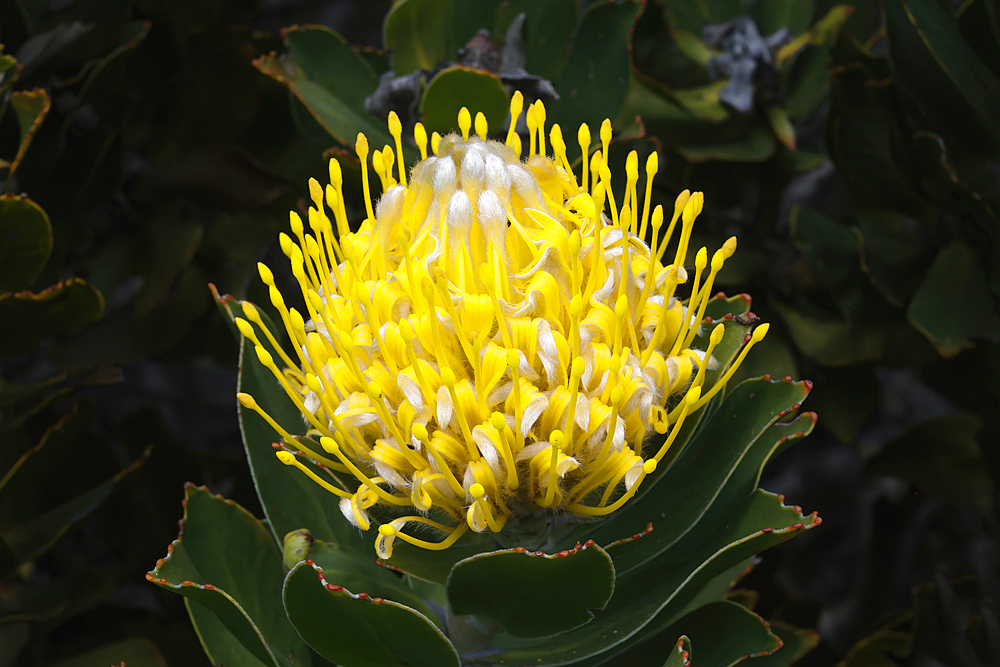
[[489, 344]]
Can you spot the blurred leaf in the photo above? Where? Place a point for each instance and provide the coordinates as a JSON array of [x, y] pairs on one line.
[[691, 16], [424, 33], [773, 15], [56, 310], [135, 652], [938, 180], [721, 633], [33, 53], [829, 340], [795, 644], [692, 46], [105, 78], [30, 107], [329, 61], [896, 251], [831, 251], [808, 83], [533, 594], [758, 146], [952, 305], [26, 235], [782, 126], [355, 630], [845, 398], [940, 456], [823, 31], [548, 29], [226, 563], [338, 117], [218, 176], [864, 135], [600, 53], [703, 101], [980, 28], [932, 61], [456, 87], [172, 247]]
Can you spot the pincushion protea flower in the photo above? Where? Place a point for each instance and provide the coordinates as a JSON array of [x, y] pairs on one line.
[[489, 345]]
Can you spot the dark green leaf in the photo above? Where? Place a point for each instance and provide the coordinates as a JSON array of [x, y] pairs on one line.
[[30, 107], [720, 633], [757, 146], [225, 562], [456, 87], [595, 81], [548, 28], [829, 340], [808, 83], [795, 643], [781, 126], [54, 311], [773, 15], [952, 305], [356, 630], [896, 252], [831, 251], [980, 27], [339, 117], [533, 594], [135, 652], [680, 654], [26, 242], [932, 61], [329, 60], [691, 16], [434, 566], [940, 456], [424, 33]]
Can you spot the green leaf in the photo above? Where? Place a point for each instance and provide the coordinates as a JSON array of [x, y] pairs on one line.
[[952, 305], [328, 60], [758, 145], [691, 16], [720, 633], [829, 340], [30, 107], [424, 33], [548, 28], [979, 23], [361, 572], [795, 644], [26, 235], [716, 471], [226, 564], [932, 61], [533, 594], [680, 654], [357, 630], [57, 310], [773, 15], [663, 587], [823, 31], [134, 652], [940, 456], [338, 115], [808, 83], [831, 251], [595, 81], [456, 87], [290, 499], [435, 566], [896, 252], [781, 126]]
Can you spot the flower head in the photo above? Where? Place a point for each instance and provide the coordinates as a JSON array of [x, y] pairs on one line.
[[488, 344]]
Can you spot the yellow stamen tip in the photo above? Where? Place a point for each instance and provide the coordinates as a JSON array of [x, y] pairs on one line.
[[701, 259], [652, 164], [395, 127], [693, 395], [556, 438], [285, 457], [245, 327], [649, 466], [264, 356], [516, 103], [385, 530], [617, 395], [329, 444], [576, 305], [760, 332], [717, 333], [336, 175], [513, 359], [482, 127], [464, 121], [420, 431], [448, 377], [265, 274], [374, 391], [361, 145], [246, 400], [606, 130], [578, 366], [729, 247], [621, 307], [477, 491], [498, 421]]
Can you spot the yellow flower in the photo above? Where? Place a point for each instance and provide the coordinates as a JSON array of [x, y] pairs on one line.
[[488, 346]]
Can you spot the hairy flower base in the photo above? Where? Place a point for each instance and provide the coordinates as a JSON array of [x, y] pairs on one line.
[[488, 343]]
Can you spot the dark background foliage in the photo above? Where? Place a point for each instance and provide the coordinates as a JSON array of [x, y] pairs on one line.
[[857, 168]]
